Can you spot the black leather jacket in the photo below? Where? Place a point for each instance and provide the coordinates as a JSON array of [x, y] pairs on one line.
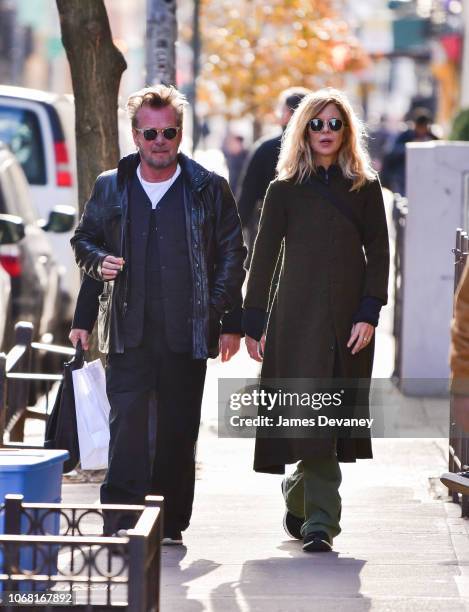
[[216, 252]]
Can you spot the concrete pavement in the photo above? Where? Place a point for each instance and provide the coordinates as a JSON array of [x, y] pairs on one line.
[[403, 545]]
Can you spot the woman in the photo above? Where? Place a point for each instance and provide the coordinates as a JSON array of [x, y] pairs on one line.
[[327, 209]]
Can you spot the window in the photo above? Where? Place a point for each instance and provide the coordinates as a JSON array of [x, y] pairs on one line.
[[20, 130], [16, 195]]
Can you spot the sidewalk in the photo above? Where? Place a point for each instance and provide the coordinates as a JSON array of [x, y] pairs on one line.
[[403, 546]]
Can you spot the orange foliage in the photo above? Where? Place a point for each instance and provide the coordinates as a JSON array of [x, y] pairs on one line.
[[252, 50]]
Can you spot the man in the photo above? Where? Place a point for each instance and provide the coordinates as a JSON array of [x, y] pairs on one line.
[[261, 167], [393, 169], [235, 155], [161, 247], [459, 361]]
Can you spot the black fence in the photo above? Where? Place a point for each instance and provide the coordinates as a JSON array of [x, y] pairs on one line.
[[18, 381], [79, 565], [458, 440], [58, 550]]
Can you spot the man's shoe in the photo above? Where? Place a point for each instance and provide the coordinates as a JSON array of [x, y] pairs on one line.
[[317, 541], [456, 481], [172, 538], [121, 533], [119, 549], [291, 523]]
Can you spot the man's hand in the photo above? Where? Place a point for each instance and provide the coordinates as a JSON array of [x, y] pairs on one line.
[[255, 348], [79, 334], [229, 345], [111, 267], [360, 336]]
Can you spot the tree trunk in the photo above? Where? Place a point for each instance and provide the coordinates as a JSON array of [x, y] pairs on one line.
[[96, 66], [161, 39]]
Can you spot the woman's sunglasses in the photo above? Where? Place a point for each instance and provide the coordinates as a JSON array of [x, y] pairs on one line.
[[151, 133], [316, 125]]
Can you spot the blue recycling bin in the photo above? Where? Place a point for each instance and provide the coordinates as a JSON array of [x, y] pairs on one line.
[[37, 475]]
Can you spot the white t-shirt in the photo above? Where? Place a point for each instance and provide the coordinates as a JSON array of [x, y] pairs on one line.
[[155, 191]]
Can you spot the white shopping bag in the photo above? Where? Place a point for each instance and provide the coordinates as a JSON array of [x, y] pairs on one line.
[[92, 409]]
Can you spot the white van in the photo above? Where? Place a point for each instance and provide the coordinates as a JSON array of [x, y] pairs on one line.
[[39, 127]]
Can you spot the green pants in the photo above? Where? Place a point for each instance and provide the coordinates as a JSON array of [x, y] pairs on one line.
[[312, 493]]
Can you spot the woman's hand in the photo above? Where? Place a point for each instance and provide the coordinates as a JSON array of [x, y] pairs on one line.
[[361, 336], [255, 347]]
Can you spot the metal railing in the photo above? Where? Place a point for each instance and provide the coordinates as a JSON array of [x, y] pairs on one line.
[[16, 378], [458, 440], [399, 215], [98, 572]]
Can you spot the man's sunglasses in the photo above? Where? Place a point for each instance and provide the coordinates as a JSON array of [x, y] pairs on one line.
[[151, 133], [316, 125]]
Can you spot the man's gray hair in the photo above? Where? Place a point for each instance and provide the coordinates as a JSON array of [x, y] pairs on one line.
[[157, 96]]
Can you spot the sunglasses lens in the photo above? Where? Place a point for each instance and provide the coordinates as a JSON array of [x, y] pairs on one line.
[[149, 134], [170, 133], [335, 124], [316, 125]]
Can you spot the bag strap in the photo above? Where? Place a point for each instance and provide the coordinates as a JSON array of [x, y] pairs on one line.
[[78, 359], [339, 204]]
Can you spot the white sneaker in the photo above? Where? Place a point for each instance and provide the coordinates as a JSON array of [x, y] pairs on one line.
[[121, 533]]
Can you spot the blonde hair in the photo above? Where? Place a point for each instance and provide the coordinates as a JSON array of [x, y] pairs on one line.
[[158, 96], [296, 161]]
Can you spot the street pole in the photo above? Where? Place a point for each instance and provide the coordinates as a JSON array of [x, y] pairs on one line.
[[195, 71], [465, 58], [160, 44]]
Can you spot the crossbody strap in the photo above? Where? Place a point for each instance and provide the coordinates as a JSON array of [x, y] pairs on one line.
[[340, 205]]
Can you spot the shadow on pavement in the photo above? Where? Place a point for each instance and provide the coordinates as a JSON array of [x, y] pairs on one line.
[[175, 581], [321, 582]]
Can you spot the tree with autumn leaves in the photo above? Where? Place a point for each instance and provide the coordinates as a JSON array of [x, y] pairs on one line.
[[252, 50]]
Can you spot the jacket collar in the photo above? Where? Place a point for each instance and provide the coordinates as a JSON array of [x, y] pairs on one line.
[[333, 170], [196, 175]]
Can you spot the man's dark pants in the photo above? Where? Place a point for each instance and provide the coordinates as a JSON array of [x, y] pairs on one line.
[[178, 381]]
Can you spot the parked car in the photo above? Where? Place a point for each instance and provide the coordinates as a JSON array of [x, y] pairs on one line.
[[11, 232], [36, 277], [39, 127]]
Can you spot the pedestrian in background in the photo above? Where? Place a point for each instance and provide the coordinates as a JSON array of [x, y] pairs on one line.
[[379, 139], [326, 205], [160, 245], [393, 168], [261, 167], [235, 155]]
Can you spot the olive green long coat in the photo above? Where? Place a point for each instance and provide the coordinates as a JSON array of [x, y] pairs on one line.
[[327, 268]]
